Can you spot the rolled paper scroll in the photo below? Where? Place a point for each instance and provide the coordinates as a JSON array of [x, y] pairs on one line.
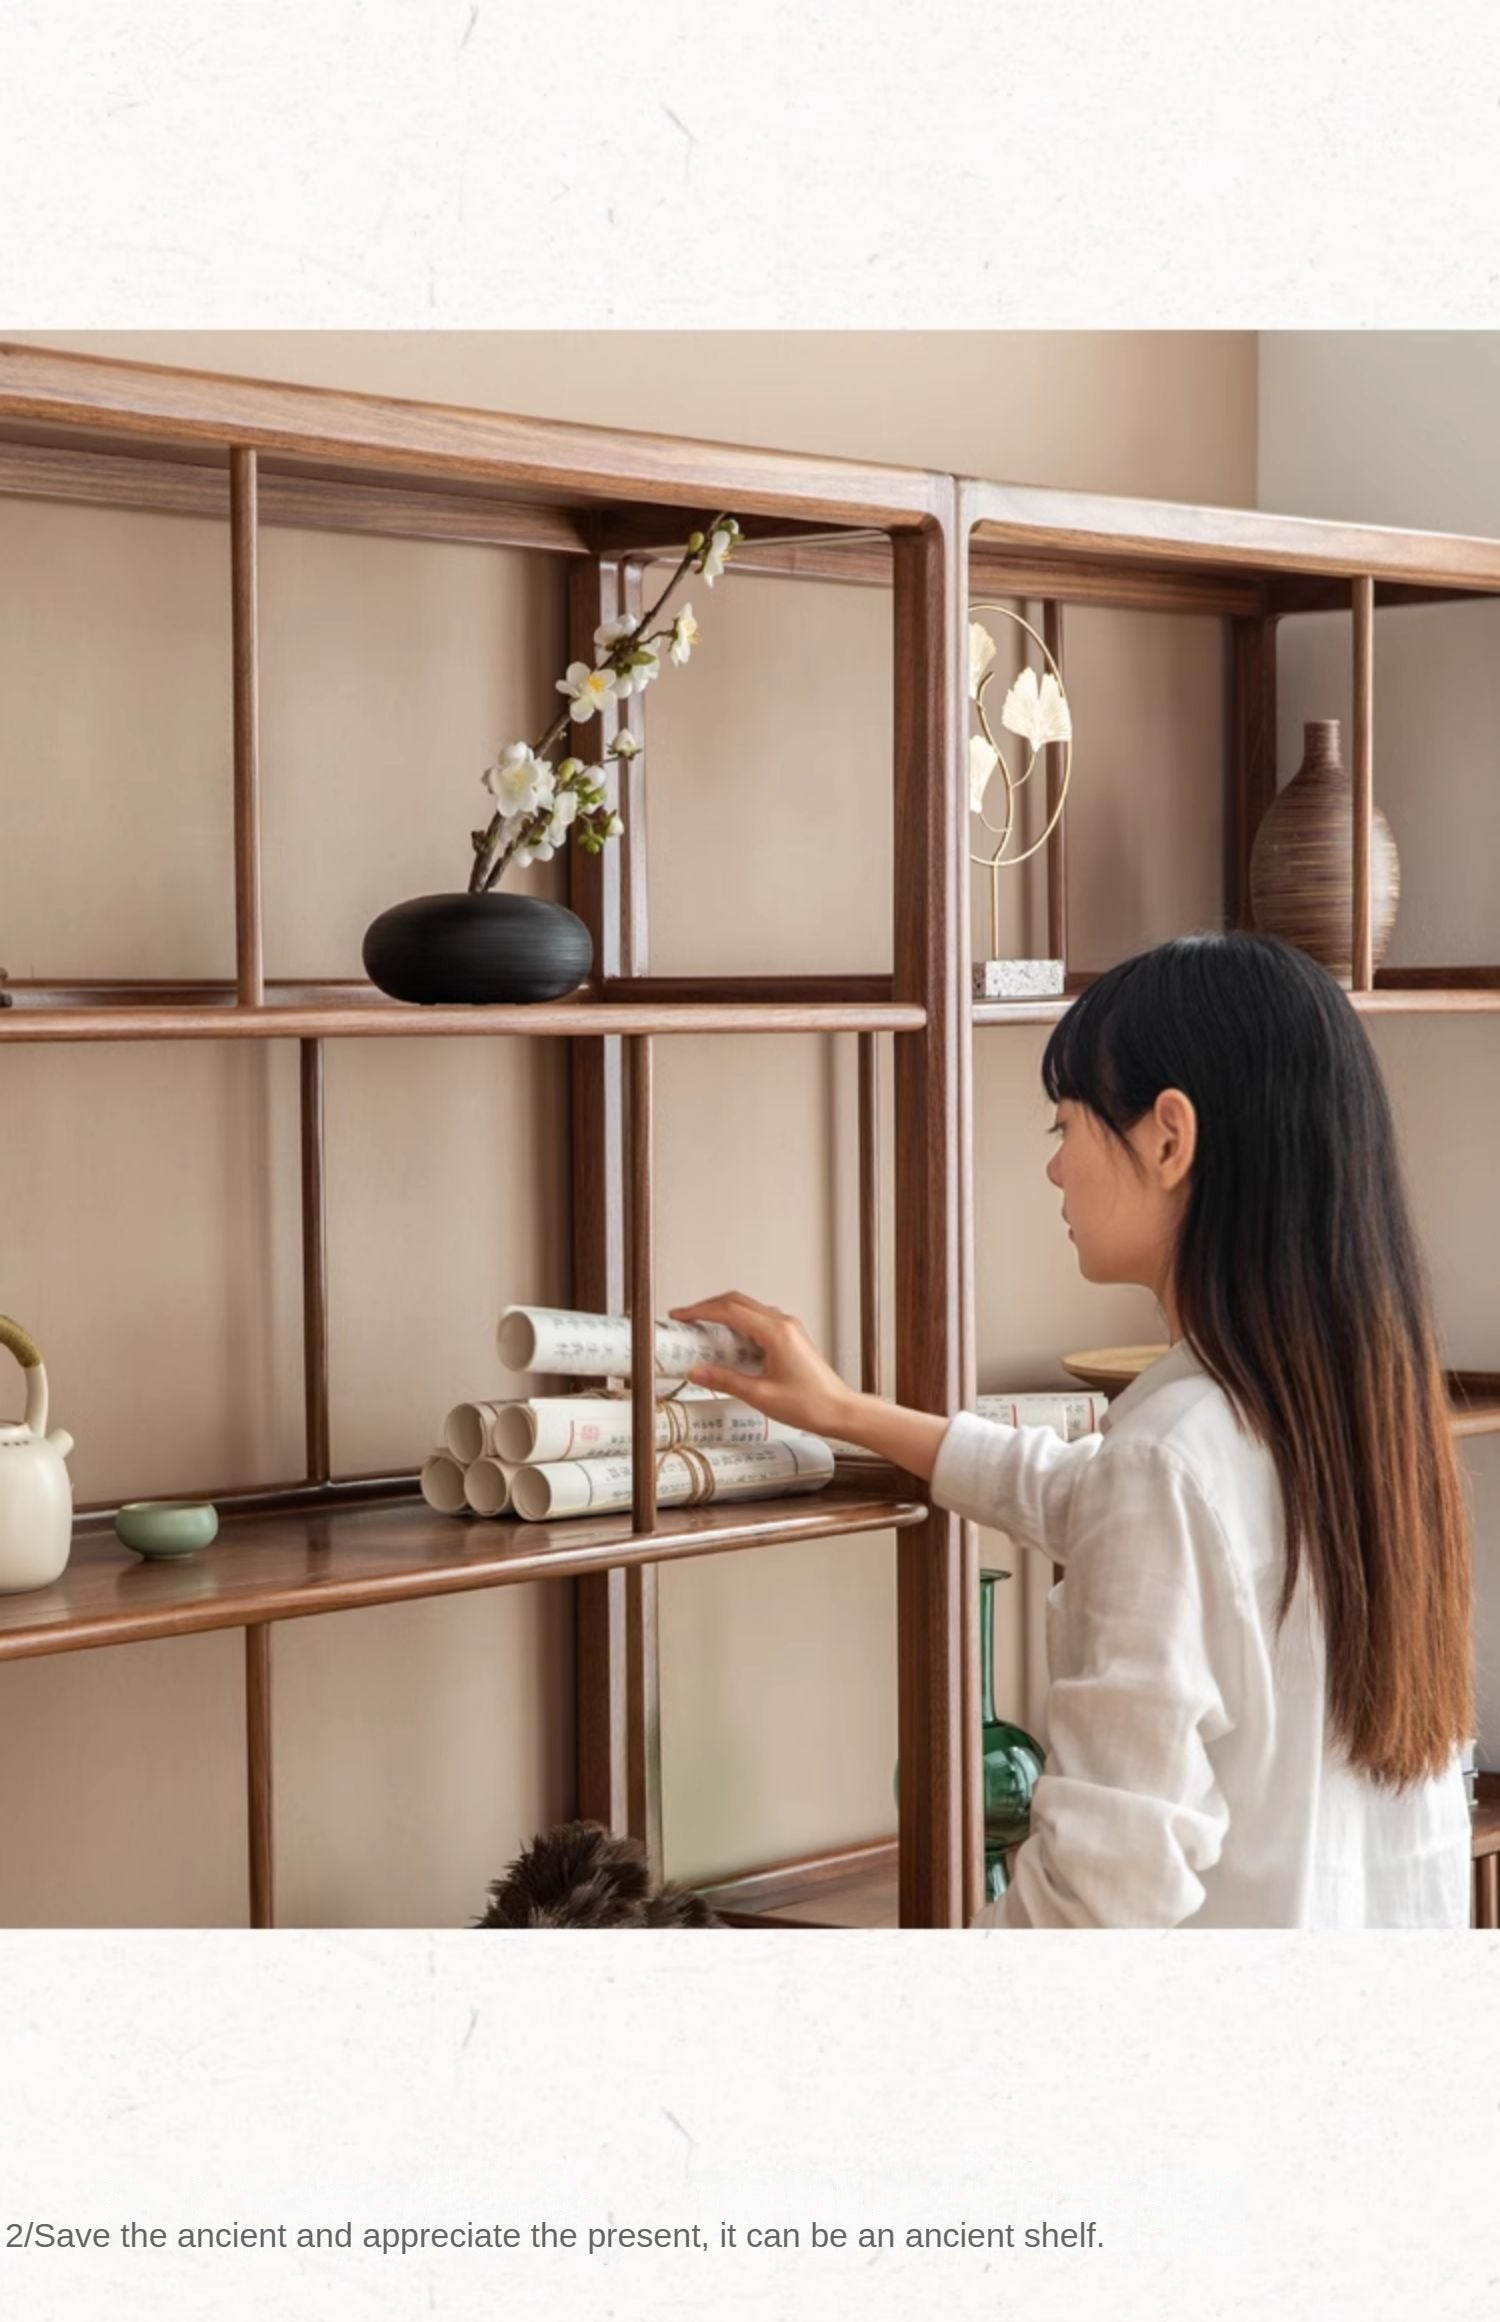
[[443, 1483], [553, 1427], [469, 1430], [580, 1487], [1067, 1415], [487, 1486], [545, 1338]]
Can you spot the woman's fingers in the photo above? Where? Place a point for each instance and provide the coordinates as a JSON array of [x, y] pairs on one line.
[[729, 1306], [745, 1386]]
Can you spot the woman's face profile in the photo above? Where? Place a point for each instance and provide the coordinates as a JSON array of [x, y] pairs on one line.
[[1122, 1204]]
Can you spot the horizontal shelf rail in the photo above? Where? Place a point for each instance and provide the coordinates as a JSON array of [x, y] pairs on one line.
[[47, 396], [277, 1499], [324, 992], [666, 1004], [1421, 992], [150, 485], [275, 1567], [1097, 530], [390, 1020]]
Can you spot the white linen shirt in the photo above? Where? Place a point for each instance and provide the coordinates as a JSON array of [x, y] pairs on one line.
[[1191, 1778]]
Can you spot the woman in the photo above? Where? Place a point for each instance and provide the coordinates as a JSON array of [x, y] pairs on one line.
[[1259, 1654]]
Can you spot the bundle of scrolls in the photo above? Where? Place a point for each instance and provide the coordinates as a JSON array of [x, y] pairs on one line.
[[546, 1457]]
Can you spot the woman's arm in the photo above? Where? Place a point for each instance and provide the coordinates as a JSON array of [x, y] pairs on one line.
[[799, 1388], [1017, 1480], [1148, 1674]]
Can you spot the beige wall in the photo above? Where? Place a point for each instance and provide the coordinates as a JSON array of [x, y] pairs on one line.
[[1398, 428], [152, 1193]]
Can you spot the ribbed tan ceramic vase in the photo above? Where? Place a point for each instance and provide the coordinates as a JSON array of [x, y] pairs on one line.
[[1302, 863]]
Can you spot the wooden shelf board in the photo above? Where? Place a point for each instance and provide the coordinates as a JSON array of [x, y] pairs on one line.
[[790, 990], [55, 400], [1091, 529], [389, 1019], [1476, 1411], [855, 1887], [1424, 998], [990, 1014], [285, 1567]]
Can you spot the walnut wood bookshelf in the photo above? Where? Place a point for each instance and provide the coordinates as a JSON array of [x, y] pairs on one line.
[[1250, 570], [248, 454], [605, 504]]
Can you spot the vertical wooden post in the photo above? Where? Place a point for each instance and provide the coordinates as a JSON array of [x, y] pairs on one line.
[[869, 1213], [1251, 755], [1362, 961], [634, 802], [617, 1677], [314, 1263], [1057, 902], [258, 1773], [640, 1222], [642, 1642], [1057, 845], [930, 1312], [245, 663], [250, 993], [971, 1763]]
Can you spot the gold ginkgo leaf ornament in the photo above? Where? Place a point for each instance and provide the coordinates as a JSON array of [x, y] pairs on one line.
[[1036, 711]]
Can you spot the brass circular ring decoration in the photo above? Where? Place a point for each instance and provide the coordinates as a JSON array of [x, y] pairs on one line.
[[998, 859]]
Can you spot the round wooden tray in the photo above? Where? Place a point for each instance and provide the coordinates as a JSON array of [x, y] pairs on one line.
[[1109, 1369]]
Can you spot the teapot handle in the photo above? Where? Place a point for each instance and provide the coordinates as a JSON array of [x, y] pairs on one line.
[[27, 1353]]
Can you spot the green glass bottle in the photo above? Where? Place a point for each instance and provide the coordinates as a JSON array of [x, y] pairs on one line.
[[1011, 1759]]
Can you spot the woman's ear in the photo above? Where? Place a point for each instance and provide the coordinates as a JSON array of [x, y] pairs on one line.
[[1175, 1139]]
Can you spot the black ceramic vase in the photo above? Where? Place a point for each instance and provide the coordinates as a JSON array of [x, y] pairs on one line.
[[477, 949]]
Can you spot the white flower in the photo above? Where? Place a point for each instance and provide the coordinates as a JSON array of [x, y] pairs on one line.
[[537, 849], [589, 689], [684, 635], [614, 826], [1038, 715], [981, 654], [712, 562], [636, 680], [520, 782], [564, 809], [983, 759], [624, 745], [611, 633]]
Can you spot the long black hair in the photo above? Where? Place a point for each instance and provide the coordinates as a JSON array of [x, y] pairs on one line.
[[1300, 1288]]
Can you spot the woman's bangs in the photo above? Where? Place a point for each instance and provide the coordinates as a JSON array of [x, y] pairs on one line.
[[1076, 1063]]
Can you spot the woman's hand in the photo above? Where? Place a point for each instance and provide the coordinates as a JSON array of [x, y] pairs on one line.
[[796, 1386]]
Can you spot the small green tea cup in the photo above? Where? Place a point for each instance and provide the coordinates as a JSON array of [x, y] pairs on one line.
[[167, 1528]]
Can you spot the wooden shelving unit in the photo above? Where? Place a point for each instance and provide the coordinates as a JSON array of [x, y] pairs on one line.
[[1250, 570], [248, 454], [604, 504]]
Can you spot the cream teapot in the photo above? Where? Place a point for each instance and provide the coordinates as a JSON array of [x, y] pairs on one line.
[[36, 1494]]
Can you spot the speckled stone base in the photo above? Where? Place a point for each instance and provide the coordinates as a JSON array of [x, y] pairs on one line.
[[1018, 979]]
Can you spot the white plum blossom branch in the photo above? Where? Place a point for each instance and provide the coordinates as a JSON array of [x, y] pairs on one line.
[[537, 804]]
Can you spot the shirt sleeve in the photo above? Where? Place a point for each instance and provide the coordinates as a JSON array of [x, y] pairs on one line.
[[1017, 1480], [1129, 1812]]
